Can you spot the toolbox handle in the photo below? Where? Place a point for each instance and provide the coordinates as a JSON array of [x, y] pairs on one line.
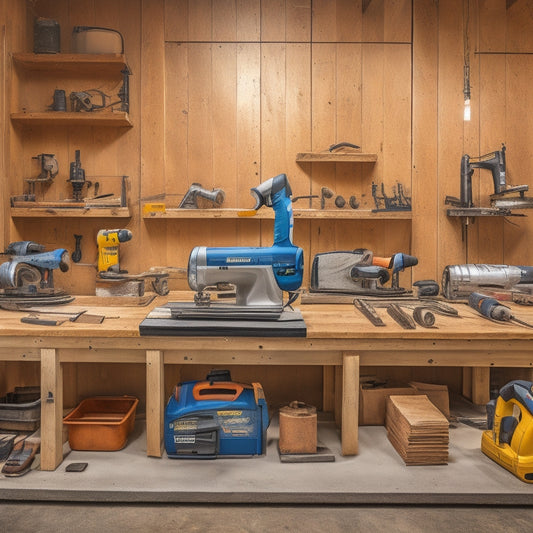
[[217, 391]]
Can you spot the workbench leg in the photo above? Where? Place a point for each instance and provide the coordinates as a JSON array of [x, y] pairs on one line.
[[155, 385], [350, 405], [338, 396], [328, 389], [480, 385], [51, 410]]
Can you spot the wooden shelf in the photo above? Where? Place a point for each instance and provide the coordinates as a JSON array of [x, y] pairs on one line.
[[335, 157], [71, 63], [70, 212], [304, 214], [61, 118]]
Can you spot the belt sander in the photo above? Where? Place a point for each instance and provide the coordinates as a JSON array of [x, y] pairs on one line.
[[216, 417]]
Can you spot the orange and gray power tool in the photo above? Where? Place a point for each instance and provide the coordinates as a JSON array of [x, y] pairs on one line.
[[359, 272]]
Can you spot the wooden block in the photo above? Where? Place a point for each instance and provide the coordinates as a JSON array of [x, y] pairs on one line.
[[297, 428], [120, 288]]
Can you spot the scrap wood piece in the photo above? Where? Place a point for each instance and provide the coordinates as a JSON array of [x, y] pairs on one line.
[[417, 430]]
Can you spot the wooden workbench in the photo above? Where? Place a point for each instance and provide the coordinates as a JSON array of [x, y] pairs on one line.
[[338, 337]]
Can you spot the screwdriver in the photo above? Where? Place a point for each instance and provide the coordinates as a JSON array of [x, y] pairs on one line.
[[492, 308]]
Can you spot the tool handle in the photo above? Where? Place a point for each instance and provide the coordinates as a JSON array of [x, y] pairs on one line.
[[489, 307]]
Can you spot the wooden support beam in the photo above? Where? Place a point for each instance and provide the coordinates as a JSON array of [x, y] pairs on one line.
[[51, 409], [350, 405], [480, 385], [155, 386]]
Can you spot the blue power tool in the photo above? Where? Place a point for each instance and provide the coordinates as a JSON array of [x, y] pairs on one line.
[[29, 271], [216, 417], [261, 274]]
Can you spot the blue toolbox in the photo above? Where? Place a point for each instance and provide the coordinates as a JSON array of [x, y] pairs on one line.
[[216, 417]]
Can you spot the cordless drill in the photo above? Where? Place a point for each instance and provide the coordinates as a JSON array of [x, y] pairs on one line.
[[108, 241]]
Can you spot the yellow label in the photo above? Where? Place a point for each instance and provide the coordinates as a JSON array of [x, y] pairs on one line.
[[229, 413]]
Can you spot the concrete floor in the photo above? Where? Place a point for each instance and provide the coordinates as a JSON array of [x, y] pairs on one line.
[[377, 476], [144, 518], [373, 491]]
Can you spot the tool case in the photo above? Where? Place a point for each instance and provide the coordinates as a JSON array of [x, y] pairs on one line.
[[96, 40], [216, 417]]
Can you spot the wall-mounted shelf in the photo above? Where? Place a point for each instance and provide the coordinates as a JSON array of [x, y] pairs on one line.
[[60, 118], [70, 212], [335, 157], [305, 214], [71, 63]]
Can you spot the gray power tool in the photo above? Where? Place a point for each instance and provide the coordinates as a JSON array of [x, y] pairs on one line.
[[459, 281]]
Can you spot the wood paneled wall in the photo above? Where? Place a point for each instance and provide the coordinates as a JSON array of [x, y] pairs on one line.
[[227, 92]]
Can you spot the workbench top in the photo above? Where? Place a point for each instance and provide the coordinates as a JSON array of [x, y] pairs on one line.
[[324, 321]]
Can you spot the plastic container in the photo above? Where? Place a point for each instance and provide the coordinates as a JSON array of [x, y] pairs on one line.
[[102, 423], [21, 410]]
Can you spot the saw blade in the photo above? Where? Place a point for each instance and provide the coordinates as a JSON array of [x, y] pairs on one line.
[[368, 311], [401, 317]]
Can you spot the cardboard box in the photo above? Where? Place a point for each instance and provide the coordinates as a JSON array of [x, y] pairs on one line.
[[438, 395], [372, 403]]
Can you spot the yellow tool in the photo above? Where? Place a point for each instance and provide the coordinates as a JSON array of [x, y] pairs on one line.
[[108, 241], [509, 438]]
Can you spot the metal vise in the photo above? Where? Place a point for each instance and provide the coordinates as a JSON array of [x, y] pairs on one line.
[[190, 200]]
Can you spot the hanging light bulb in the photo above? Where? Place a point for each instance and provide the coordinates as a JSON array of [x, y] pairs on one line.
[[466, 92]]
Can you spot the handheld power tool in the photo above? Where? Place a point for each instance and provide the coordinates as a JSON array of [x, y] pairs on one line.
[[509, 438], [30, 270], [359, 272], [493, 309], [261, 274], [216, 417], [458, 281], [108, 241]]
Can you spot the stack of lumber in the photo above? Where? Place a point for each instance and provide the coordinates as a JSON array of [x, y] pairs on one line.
[[418, 430]]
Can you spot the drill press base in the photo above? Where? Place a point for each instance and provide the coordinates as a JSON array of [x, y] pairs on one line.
[[159, 322]]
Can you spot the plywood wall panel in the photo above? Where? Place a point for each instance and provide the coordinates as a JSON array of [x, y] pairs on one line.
[[248, 128], [273, 20], [519, 27], [425, 197], [176, 27], [248, 20], [492, 32]]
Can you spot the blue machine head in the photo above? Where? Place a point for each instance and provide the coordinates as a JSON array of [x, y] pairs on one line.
[[260, 274]]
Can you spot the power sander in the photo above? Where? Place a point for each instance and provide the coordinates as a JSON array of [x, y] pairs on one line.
[[216, 417], [359, 272], [509, 437]]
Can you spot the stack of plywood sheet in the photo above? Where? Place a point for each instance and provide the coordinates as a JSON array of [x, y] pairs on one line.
[[418, 430]]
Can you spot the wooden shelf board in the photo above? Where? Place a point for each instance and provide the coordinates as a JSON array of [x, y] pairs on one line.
[[61, 118], [70, 212], [338, 214], [54, 63], [335, 157]]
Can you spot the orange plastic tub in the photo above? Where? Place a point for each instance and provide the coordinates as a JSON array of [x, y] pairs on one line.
[[102, 423]]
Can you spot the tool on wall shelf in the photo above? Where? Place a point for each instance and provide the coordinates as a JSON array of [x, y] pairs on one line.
[[29, 273], [399, 201], [215, 197], [340, 202], [504, 197], [95, 100], [49, 170], [337, 146], [114, 281], [76, 254]]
